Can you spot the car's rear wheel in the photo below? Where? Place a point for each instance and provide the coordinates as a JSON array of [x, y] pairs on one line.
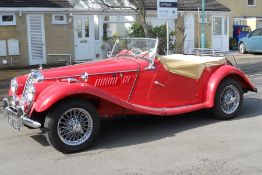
[[72, 126], [242, 48], [228, 99]]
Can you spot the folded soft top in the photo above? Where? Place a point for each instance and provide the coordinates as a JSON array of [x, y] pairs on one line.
[[191, 66]]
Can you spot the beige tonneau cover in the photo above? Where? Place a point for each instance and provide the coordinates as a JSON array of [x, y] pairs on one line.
[[191, 66]]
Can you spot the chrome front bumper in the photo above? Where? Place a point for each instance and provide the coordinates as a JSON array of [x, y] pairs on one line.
[[18, 113]]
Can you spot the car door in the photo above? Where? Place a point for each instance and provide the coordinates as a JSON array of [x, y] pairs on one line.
[[259, 44], [172, 90], [253, 41]]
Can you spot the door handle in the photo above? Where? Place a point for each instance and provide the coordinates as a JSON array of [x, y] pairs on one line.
[[159, 84]]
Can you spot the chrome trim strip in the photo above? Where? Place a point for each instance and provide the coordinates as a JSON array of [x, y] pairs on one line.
[[31, 123], [132, 89], [102, 73], [63, 77], [137, 73], [26, 83]]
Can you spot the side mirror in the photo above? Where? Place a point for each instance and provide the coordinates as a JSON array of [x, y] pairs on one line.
[[248, 35]]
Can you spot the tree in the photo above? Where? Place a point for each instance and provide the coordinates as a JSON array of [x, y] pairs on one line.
[[138, 6]]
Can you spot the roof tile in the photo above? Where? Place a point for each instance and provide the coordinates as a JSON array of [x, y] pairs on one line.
[[190, 5], [36, 3]]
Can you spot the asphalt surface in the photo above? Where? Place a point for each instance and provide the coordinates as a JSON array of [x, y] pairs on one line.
[[194, 143]]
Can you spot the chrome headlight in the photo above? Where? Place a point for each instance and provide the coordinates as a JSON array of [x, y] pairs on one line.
[[28, 98], [14, 85], [30, 93], [36, 76]]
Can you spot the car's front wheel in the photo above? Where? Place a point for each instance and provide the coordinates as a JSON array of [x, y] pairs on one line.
[[228, 99], [242, 48], [72, 126]]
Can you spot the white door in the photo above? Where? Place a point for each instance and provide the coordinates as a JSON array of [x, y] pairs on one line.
[[189, 44], [36, 39], [84, 38], [220, 37]]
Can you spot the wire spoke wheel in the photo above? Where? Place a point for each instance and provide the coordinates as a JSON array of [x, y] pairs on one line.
[[242, 48], [230, 99], [72, 126], [75, 126]]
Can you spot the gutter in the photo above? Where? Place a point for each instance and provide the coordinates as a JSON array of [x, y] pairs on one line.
[[86, 10]]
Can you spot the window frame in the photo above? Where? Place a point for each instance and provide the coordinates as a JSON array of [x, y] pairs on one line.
[[117, 21], [54, 21], [7, 23], [253, 4]]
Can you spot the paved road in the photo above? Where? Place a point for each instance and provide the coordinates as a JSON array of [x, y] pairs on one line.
[[187, 144]]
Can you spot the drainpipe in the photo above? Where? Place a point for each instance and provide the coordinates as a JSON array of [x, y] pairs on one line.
[[203, 37]]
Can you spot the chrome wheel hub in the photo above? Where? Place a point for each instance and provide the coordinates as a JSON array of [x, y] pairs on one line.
[[230, 99], [75, 126], [242, 48]]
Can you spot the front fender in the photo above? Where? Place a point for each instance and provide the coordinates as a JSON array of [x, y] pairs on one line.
[[58, 91], [219, 75]]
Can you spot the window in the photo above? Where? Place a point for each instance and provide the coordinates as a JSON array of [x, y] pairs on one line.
[[251, 2], [225, 26], [79, 28], [117, 25], [256, 32], [237, 22], [217, 26], [86, 30], [8, 19], [110, 18], [59, 19], [96, 27], [246, 29], [205, 19]]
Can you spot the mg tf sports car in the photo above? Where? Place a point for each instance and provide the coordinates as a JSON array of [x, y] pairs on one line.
[[68, 102]]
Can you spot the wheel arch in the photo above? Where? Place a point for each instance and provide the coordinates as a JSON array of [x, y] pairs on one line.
[[41, 114], [223, 73], [54, 95]]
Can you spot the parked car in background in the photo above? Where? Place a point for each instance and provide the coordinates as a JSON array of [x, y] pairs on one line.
[[68, 102], [240, 31], [252, 42]]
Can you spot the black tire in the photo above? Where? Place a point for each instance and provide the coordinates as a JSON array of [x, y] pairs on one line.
[[58, 116], [235, 88], [242, 48]]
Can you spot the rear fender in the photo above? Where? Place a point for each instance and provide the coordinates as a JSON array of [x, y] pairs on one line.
[[222, 73]]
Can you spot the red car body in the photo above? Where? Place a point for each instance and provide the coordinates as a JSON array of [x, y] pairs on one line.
[[120, 85], [123, 86]]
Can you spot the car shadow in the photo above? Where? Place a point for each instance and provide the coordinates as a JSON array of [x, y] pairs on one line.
[[125, 131], [133, 130], [40, 138], [256, 53]]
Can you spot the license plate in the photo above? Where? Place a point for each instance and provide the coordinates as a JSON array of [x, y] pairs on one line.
[[14, 123]]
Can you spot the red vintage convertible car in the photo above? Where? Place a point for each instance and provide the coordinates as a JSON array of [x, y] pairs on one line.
[[68, 102]]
